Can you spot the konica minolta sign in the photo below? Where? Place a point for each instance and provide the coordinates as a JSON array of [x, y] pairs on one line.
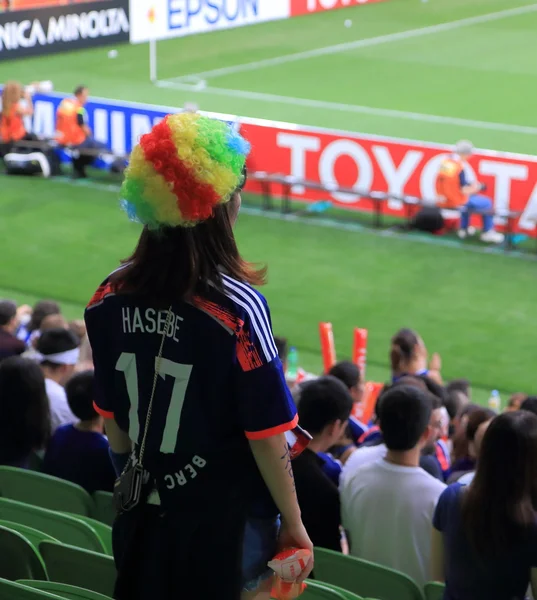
[[47, 30]]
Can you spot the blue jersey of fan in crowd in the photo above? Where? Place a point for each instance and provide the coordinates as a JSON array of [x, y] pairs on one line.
[[221, 384]]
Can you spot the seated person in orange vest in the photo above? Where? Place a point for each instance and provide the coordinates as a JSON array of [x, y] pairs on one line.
[[72, 129], [16, 104], [455, 189]]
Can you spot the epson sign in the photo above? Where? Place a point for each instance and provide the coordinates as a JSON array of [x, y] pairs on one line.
[[50, 30]]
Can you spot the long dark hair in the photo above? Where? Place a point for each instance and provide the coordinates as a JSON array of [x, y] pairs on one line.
[[24, 410], [499, 507], [177, 262], [404, 344]]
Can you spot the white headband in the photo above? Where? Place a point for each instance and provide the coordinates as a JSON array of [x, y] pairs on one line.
[[69, 357]]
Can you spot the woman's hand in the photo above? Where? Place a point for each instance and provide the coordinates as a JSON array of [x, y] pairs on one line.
[[435, 366], [436, 362], [295, 536]]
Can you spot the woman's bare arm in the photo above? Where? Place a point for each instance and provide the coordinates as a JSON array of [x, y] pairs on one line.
[[273, 459], [118, 439]]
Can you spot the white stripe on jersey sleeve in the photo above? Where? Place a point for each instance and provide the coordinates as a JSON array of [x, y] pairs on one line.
[[120, 268], [248, 293], [269, 354]]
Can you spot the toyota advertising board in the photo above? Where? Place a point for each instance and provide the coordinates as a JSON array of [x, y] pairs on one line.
[[382, 164], [63, 27]]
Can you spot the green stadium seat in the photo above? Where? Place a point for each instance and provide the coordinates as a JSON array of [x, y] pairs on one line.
[[81, 568], [103, 531], [9, 590], [434, 590], [345, 593], [104, 507], [317, 591], [34, 536], [44, 491], [363, 577], [62, 590], [65, 528], [19, 559]]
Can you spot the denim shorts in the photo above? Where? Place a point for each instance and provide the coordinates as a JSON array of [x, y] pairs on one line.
[[259, 546]]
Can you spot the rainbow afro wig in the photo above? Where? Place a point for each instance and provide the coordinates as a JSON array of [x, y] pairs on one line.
[[181, 170]]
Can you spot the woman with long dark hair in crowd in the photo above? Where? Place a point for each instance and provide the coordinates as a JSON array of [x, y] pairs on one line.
[[189, 378], [485, 535], [408, 356], [24, 412]]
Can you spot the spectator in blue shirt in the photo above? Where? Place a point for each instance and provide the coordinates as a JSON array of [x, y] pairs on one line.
[[180, 324], [79, 452], [485, 535], [477, 202], [349, 374]]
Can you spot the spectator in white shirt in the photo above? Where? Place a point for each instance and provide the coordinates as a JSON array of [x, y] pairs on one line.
[[57, 351], [388, 505], [368, 454]]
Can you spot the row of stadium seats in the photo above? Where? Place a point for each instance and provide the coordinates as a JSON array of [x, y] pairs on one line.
[[46, 530], [55, 494], [76, 530]]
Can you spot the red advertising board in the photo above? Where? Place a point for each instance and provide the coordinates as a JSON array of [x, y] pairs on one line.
[[304, 7], [400, 167]]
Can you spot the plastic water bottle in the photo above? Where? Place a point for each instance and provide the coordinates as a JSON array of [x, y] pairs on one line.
[[495, 401], [292, 364]]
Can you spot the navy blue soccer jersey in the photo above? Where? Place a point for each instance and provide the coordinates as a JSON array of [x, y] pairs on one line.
[[221, 383]]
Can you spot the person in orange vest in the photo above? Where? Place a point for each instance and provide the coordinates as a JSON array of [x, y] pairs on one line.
[[16, 104], [455, 189], [72, 129]]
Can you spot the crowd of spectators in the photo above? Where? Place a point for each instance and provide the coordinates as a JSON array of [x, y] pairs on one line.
[[407, 490], [434, 486], [47, 419]]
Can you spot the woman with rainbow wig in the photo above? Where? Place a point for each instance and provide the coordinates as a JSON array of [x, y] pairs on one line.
[[189, 380]]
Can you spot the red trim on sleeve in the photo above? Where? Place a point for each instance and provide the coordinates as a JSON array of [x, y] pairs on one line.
[[106, 289], [266, 433], [104, 413], [247, 354]]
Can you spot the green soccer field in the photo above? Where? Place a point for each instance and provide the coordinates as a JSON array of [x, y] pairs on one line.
[[436, 71]]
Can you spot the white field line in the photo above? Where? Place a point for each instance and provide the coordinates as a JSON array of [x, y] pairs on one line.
[[350, 108], [363, 43]]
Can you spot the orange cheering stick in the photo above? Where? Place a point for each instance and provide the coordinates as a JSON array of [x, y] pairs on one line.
[[328, 347], [359, 350]]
